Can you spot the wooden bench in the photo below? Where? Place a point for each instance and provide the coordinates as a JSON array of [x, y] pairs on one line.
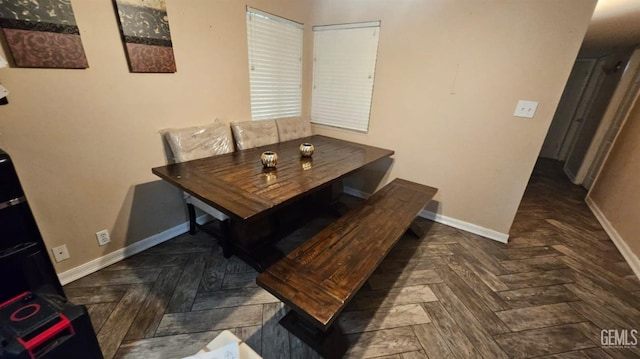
[[318, 279]]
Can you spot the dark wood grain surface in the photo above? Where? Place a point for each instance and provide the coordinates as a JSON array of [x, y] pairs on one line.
[[237, 184], [320, 277]]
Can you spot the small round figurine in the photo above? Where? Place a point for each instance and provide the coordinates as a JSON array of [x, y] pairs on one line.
[[269, 159], [306, 149]]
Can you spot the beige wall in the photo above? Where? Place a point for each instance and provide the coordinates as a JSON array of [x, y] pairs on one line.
[[448, 78], [615, 191], [84, 141]]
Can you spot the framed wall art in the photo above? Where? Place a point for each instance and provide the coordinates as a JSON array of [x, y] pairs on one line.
[[42, 33], [145, 32]]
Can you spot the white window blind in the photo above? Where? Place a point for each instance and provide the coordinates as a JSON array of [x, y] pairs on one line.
[[344, 63], [275, 65]]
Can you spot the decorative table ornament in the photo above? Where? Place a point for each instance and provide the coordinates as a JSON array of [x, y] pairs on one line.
[[306, 149], [269, 159]]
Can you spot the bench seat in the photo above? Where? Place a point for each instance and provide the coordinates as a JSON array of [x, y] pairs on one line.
[[318, 279]]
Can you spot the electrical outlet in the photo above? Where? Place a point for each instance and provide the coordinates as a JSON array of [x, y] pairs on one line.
[[60, 253], [103, 237]]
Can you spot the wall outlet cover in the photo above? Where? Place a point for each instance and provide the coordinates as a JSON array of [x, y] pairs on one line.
[[60, 253], [103, 237]]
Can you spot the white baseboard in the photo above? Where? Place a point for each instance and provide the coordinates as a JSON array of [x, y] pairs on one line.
[[120, 254], [452, 222], [631, 258], [572, 177], [466, 226]]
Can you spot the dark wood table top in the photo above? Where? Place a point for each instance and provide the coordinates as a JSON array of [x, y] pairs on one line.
[[236, 183]]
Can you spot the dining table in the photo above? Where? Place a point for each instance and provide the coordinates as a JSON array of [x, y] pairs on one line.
[[238, 184]]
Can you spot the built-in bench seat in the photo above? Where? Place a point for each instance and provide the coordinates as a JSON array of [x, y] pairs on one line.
[[318, 279], [250, 134], [216, 138]]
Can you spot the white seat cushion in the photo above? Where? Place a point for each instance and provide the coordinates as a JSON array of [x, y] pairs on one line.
[[200, 141]]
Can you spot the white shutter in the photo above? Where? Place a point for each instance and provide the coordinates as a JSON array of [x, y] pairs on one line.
[[275, 65], [343, 73]]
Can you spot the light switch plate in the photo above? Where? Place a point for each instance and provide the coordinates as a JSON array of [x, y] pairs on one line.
[[526, 109]]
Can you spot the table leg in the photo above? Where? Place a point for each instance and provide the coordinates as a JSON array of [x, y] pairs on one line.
[[192, 218], [416, 230], [225, 238]]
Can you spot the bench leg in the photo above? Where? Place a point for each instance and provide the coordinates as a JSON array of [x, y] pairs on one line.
[[330, 344], [416, 230], [192, 218]]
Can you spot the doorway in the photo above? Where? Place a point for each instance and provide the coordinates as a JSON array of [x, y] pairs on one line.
[[622, 102], [575, 133], [567, 108]]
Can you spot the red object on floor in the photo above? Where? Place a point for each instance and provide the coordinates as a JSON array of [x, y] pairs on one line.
[[34, 326]]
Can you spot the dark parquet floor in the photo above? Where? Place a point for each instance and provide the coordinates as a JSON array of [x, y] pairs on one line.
[[451, 294]]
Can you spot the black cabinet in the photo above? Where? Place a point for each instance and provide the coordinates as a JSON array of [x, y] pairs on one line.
[[24, 262]]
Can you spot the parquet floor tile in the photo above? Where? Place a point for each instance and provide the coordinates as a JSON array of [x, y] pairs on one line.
[[548, 293]]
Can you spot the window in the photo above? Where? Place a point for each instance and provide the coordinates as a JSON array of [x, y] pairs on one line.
[[275, 65], [344, 63]]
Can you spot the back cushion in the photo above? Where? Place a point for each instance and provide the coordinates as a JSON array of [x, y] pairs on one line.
[[291, 128], [200, 141], [250, 134]]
